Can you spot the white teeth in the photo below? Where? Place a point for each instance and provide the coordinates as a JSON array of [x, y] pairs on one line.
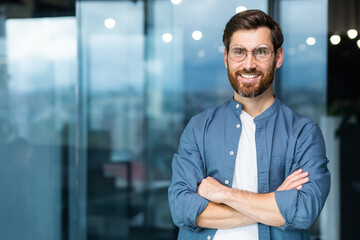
[[249, 76]]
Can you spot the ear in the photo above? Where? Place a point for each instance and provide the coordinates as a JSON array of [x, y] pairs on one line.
[[225, 58], [279, 57]]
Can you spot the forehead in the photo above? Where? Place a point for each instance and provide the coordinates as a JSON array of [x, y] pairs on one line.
[[252, 38]]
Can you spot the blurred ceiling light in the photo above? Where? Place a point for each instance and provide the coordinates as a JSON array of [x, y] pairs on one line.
[[311, 41], [335, 39], [358, 43], [291, 51], [302, 47], [221, 49], [167, 37], [352, 33], [201, 53], [240, 9], [176, 2], [109, 23], [196, 35]]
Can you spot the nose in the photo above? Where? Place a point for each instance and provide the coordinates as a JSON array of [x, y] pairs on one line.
[[249, 62]]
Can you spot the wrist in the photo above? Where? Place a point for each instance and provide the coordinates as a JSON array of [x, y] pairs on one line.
[[228, 195]]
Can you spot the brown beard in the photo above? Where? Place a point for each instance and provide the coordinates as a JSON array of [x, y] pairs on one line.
[[248, 89]]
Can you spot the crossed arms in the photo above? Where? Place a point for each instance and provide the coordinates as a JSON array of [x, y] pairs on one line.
[[229, 208], [197, 201]]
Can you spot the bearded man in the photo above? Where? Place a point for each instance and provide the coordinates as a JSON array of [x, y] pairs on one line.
[[251, 168]]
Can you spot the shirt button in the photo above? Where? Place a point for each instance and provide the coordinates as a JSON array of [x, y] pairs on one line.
[[208, 237], [231, 153], [238, 125], [237, 105], [226, 182]]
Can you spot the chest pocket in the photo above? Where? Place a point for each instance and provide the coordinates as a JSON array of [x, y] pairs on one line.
[[277, 172]]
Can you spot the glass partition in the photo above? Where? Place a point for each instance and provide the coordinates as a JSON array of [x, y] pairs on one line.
[[302, 80], [37, 122]]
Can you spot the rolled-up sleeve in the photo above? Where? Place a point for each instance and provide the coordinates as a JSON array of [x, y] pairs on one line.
[[188, 171], [300, 208]]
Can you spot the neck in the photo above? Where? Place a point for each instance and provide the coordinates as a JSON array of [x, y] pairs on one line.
[[257, 105]]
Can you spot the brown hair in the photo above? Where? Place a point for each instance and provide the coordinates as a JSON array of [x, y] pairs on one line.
[[253, 19]]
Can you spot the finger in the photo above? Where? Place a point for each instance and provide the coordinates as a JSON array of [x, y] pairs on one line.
[[298, 183], [299, 187], [289, 181], [294, 182], [291, 176], [299, 176], [294, 178], [296, 172]]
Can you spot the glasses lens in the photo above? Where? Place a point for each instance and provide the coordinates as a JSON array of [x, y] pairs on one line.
[[262, 53], [237, 53]]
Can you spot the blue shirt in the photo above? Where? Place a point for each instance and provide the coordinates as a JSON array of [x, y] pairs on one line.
[[285, 142]]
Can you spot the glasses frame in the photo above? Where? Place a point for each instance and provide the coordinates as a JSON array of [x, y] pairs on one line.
[[247, 51]]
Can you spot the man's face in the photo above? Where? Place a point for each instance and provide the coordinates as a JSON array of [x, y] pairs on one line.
[[251, 77]]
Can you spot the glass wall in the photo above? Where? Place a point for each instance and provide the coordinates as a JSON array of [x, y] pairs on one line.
[[38, 65], [302, 80]]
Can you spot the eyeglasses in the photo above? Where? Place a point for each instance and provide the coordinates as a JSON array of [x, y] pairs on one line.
[[238, 53]]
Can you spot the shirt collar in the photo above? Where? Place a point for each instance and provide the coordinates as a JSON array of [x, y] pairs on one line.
[[236, 108], [269, 111]]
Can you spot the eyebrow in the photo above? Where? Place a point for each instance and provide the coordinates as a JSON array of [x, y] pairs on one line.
[[241, 46]]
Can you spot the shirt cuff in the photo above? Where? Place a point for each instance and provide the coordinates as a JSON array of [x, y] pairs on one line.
[[287, 204], [196, 206]]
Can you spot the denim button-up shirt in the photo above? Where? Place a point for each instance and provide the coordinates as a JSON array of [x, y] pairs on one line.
[[285, 142]]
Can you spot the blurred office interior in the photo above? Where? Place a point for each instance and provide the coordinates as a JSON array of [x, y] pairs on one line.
[[95, 95]]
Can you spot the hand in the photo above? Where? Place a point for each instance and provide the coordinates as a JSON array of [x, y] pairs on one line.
[[294, 180], [212, 190]]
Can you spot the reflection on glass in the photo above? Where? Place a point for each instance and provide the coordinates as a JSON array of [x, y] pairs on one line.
[[201, 53]]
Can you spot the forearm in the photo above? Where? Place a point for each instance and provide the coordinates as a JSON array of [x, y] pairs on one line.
[[221, 216], [260, 207]]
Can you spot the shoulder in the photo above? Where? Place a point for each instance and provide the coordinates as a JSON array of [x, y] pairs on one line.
[[207, 115], [198, 125], [296, 121]]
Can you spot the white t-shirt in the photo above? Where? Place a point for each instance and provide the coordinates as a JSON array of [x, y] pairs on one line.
[[245, 177]]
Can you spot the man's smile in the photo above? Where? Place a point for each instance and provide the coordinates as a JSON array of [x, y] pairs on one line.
[[248, 78]]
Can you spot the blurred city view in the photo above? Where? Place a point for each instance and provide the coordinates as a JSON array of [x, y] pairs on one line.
[[95, 95]]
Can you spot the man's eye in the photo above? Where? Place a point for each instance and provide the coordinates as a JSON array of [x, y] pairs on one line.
[[261, 51], [239, 51]]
